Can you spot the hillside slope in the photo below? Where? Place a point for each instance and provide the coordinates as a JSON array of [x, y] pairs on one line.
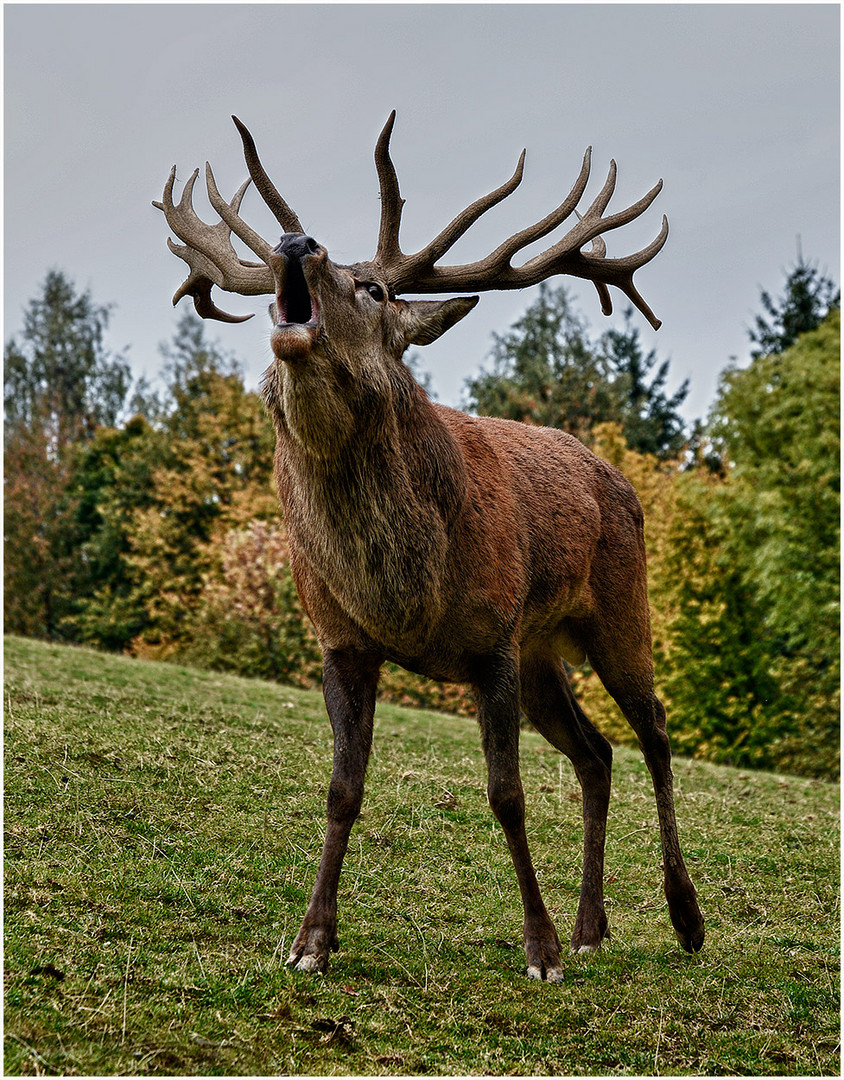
[[163, 827]]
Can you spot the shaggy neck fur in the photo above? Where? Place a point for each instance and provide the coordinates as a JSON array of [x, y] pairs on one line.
[[371, 481]]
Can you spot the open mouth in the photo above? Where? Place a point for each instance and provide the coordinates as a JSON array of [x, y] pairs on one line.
[[295, 305]]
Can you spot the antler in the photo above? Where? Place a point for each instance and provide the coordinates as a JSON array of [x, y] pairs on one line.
[[419, 274], [208, 249], [212, 260]]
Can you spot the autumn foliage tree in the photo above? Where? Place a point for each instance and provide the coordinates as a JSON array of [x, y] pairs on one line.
[[160, 496], [38, 521], [247, 617], [213, 474]]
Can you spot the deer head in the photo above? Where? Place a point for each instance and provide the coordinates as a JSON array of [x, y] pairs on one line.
[[318, 299]]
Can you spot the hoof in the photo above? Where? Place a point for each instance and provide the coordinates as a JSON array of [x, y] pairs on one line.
[[309, 962], [692, 942], [552, 974], [686, 916], [688, 924], [311, 948], [590, 929]]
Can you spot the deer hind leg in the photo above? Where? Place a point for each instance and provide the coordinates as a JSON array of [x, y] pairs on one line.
[[551, 707], [349, 684], [497, 695], [623, 664]]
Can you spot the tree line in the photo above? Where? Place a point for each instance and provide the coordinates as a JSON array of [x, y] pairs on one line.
[[144, 520]]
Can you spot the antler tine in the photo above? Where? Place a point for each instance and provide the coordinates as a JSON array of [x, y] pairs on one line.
[[233, 220], [602, 199], [284, 215], [204, 274], [466, 218], [504, 252], [592, 224], [181, 215], [619, 272], [388, 251], [599, 250]]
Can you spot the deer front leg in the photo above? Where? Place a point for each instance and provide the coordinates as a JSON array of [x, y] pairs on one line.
[[498, 712], [349, 683]]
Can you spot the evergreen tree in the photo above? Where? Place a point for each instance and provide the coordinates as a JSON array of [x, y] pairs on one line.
[[58, 374], [546, 370], [807, 299], [112, 483], [649, 418]]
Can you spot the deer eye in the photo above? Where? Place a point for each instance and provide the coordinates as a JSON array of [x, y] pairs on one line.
[[374, 290]]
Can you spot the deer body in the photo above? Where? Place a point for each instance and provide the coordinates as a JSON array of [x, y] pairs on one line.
[[436, 566], [463, 548]]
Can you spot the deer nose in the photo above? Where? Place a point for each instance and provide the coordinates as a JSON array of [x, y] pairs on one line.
[[296, 246]]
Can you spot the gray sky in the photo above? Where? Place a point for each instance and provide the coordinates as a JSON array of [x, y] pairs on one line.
[[736, 107]]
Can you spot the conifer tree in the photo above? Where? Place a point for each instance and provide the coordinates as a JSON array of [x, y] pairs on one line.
[[546, 370], [806, 300], [58, 372]]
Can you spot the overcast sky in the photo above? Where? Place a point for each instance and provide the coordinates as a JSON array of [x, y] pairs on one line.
[[736, 107]]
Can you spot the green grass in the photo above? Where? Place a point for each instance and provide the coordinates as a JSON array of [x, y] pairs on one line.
[[163, 827]]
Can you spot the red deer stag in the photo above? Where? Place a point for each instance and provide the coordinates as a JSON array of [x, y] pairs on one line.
[[464, 548]]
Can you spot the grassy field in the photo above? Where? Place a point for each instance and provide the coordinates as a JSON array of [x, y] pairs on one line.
[[162, 830]]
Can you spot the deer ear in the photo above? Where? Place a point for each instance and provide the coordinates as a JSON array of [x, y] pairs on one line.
[[426, 320]]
